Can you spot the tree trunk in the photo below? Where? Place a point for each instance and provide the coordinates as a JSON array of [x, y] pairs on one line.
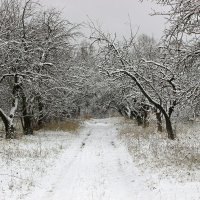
[[8, 120], [10, 131], [27, 119], [159, 122], [78, 112], [41, 116], [169, 129], [9, 128], [139, 120], [28, 125], [145, 119], [136, 115], [120, 112]]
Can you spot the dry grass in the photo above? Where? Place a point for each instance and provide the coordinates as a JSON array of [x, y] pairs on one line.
[[130, 127], [69, 125], [86, 116], [153, 151]]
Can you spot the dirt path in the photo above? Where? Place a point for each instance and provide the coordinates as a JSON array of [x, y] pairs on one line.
[[96, 167]]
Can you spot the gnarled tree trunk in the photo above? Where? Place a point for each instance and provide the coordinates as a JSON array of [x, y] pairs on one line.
[[9, 128], [8, 120]]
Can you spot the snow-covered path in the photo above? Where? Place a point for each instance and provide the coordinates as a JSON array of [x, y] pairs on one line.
[[96, 167]]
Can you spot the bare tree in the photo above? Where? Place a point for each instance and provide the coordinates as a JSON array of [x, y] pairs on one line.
[[154, 85], [36, 53]]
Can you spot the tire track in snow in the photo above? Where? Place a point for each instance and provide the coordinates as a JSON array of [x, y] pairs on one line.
[[97, 167]]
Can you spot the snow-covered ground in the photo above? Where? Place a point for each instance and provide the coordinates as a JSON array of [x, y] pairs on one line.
[[171, 168], [26, 161], [96, 167], [94, 164]]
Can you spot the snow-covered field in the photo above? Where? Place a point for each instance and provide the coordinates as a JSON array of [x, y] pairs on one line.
[[95, 164], [26, 161], [171, 168]]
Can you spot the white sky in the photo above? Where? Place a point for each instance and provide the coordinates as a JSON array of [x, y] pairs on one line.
[[113, 14]]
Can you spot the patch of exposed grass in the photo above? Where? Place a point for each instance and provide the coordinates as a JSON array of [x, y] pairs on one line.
[[69, 125], [87, 116]]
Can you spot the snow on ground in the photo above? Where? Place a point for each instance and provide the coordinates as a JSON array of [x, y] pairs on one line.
[[171, 168], [26, 161], [94, 164], [96, 167]]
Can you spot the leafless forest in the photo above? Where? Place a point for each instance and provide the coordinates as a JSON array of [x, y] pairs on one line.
[[102, 116], [47, 74]]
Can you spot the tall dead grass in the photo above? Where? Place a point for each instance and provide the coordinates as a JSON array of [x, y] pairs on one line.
[[69, 125], [152, 150], [86, 116]]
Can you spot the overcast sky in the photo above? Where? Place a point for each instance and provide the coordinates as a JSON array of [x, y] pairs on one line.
[[113, 14]]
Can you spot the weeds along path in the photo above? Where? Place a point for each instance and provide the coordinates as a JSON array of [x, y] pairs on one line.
[[96, 167]]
